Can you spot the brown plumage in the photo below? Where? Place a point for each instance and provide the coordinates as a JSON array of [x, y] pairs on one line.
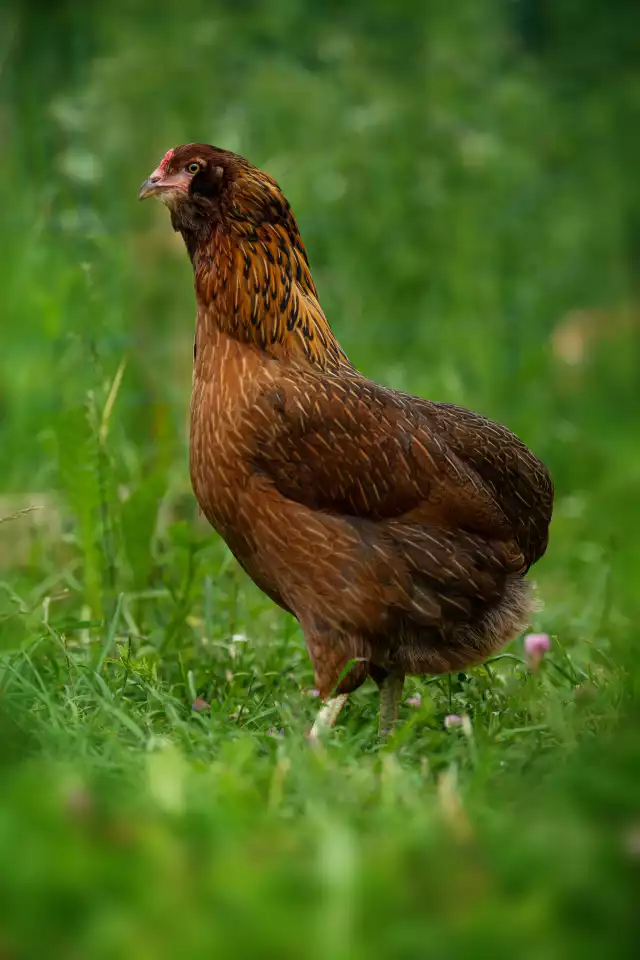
[[397, 530]]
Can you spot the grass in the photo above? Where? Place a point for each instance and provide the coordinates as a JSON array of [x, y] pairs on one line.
[[160, 799], [460, 201]]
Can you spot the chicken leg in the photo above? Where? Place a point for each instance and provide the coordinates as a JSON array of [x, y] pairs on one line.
[[327, 716], [390, 693]]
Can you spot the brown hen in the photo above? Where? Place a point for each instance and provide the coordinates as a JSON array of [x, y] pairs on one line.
[[395, 529]]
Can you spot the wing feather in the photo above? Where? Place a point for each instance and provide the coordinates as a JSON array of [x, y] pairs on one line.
[[348, 446]]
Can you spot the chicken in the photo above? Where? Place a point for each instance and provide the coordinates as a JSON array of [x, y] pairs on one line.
[[396, 530]]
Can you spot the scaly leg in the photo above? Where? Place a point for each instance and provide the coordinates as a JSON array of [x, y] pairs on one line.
[[390, 693], [327, 716]]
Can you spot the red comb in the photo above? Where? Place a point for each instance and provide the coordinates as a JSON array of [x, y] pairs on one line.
[[166, 158]]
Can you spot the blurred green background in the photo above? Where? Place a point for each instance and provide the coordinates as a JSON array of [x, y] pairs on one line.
[[465, 176]]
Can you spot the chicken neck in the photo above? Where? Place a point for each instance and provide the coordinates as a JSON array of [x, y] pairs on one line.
[[253, 282]]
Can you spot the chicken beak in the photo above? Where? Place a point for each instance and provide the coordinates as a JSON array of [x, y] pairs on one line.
[[150, 187], [166, 186]]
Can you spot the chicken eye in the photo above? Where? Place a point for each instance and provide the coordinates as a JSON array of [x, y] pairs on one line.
[[194, 167]]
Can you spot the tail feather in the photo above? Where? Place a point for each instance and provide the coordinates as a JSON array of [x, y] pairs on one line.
[[464, 644]]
